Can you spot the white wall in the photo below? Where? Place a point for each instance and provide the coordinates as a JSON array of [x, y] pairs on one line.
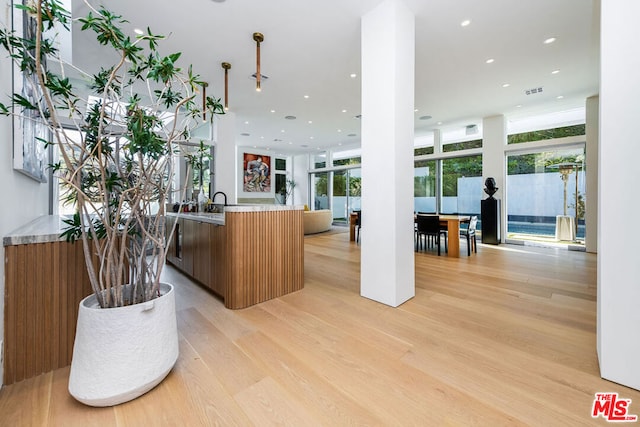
[[23, 199], [619, 203]]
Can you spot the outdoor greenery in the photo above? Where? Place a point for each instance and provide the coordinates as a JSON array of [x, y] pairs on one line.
[[540, 135]]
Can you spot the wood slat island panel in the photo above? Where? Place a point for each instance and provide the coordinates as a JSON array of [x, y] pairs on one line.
[[255, 253], [264, 256], [44, 283]]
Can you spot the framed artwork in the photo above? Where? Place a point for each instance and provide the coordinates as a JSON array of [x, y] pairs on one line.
[[256, 171], [30, 155]]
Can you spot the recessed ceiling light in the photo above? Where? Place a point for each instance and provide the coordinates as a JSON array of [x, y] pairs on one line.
[[415, 111], [560, 97], [353, 75], [555, 71], [506, 85], [246, 123], [282, 131], [306, 97], [262, 137], [310, 122], [268, 148], [518, 106], [344, 111], [273, 111], [490, 61], [339, 130], [465, 23], [310, 137], [290, 143], [439, 123], [138, 31], [550, 40], [290, 117]]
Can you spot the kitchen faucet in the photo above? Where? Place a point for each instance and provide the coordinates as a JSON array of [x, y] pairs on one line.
[[213, 199]]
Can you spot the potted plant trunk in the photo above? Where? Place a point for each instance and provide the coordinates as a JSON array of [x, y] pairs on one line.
[[116, 130]]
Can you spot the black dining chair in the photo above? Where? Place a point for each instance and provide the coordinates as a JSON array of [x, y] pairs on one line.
[[358, 225], [469, 233], [428, 226], [444, 230]]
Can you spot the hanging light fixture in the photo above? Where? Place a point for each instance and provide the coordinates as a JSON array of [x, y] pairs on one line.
[[259, 38], [204, 101], [226, 67]]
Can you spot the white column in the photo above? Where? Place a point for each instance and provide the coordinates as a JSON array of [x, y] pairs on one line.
[[300, 174], [388, 42], [591, 202], [619, 203], [494, 141], [225, 157]]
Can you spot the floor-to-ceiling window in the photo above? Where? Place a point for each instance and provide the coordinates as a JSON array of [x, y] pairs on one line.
[[546, 189]]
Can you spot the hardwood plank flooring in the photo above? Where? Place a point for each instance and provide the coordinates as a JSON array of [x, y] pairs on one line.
[[504, 337]]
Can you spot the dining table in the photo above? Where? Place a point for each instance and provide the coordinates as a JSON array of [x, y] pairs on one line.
[[453, 231]]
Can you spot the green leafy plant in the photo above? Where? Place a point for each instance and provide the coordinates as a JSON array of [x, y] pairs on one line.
[[118, 172]]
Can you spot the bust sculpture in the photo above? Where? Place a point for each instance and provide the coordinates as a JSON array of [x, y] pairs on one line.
[[490, 187]]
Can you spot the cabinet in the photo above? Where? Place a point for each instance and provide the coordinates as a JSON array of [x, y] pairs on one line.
[[200, 251]]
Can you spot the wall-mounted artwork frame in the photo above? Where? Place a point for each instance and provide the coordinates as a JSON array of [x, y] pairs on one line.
[[256, 173], [30, 155]]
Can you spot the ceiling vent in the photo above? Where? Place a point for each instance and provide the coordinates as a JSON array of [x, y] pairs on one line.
[[533, 91], [471, 129], [290, 117]]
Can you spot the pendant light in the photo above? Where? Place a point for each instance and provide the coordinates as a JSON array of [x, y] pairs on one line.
[[258, 37], [226, 67]]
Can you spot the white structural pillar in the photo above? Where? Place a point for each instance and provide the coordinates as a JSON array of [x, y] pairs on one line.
[[387, 254], [494, 142], [619, 202], [225, 157], [591, 202]]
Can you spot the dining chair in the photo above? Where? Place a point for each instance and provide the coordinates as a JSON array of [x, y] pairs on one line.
[[358, 225], [469, 233], [443, 230], [428, 226]]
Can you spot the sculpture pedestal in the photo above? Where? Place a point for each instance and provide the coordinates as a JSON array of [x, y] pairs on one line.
[[565, 228]]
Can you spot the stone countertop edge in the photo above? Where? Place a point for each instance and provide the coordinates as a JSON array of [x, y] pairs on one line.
[[44, 229]]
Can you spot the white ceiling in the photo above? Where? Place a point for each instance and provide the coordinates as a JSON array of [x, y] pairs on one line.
[[312, 47]]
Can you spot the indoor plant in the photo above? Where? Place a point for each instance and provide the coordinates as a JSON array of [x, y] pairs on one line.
[[132, 118]]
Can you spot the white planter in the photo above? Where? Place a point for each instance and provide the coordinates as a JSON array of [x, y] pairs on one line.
[[121, 353]]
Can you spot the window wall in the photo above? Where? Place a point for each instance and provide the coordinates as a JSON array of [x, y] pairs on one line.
[[541, 186]]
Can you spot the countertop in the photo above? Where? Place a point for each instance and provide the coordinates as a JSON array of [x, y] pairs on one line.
[[47, 228], [44, 229]]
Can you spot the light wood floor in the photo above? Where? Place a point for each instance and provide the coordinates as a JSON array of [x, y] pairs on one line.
[[504, 337]]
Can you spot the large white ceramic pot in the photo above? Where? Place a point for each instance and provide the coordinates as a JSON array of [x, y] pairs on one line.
[[121, 353]]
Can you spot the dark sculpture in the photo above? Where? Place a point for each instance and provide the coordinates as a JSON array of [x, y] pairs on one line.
[[490, 187]]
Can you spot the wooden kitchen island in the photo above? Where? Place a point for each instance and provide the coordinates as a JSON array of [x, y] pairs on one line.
[[247, 255]]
